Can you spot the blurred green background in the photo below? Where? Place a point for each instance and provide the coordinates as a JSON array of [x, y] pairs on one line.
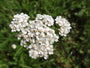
[[72, 51]]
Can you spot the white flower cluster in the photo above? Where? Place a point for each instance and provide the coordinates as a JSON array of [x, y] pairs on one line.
[[19, 22], [64, 25], [35, 35], [46, 19]]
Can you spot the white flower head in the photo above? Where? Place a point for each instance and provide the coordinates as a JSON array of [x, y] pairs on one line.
[[13, 46], [19, 22], [33, 53], [46, 19], [64, 25]]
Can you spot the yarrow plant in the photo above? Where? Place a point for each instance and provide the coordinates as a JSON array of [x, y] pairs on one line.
[[36, 35]]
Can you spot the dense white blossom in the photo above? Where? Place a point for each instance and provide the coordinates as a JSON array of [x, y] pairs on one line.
[[19, 21], [64, 26], [35, 35], [46, 19]]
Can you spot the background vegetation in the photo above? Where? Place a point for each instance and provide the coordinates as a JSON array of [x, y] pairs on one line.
[[72, 51]]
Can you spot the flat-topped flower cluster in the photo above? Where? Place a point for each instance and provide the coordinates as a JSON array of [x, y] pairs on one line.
[[64, 26], [36, 35]]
